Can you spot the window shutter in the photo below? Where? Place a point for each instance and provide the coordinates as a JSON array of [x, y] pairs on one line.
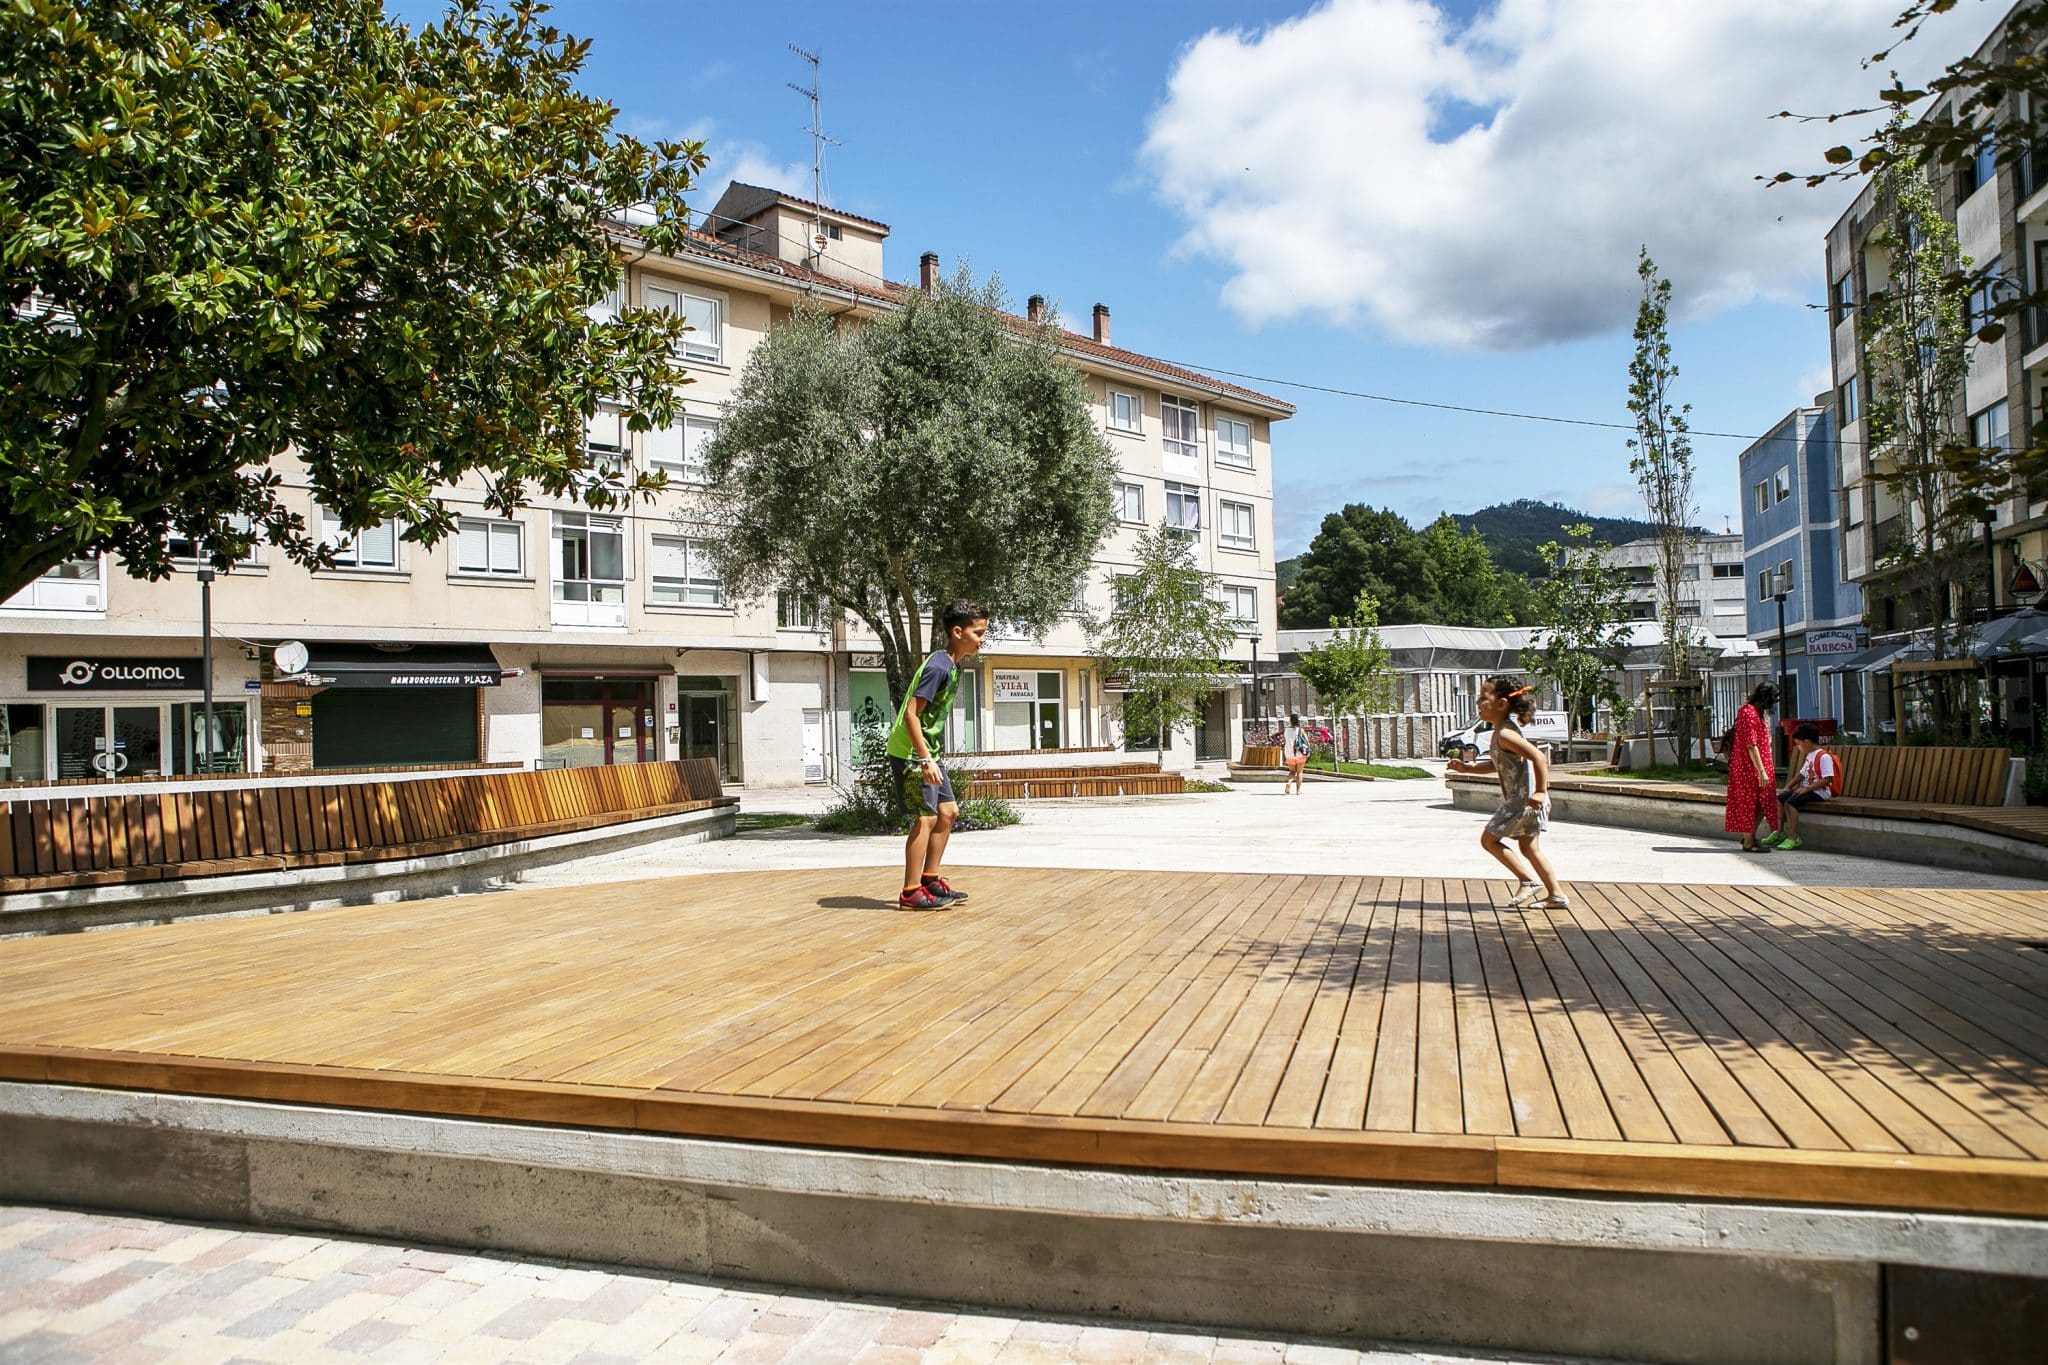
[[504, 550], [671, 557], [665, 447], [380, 543], [473, 547]]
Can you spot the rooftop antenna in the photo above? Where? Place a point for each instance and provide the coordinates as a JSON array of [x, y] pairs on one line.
[[818, 143]]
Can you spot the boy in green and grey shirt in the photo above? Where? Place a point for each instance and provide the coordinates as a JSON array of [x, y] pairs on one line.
[[914, 742]]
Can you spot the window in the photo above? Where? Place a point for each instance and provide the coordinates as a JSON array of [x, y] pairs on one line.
[[1241, 605], [1130, 503], [373, 547], [1990, 431], [1688, 609], [1763, 585], [604, 441], [495, 548], [1233, 442], [832, 232], [706, 318], [1984, 292], [590, 557], [1727, 571], [1235, 525], [1855, 504], [1121, 589], [1852, 402], [678, 450], [1184, 509], [1126, 411], [1763, 496], [1781, 483], [608, 308], [73, 585], [1843, 297], [182, 547], [1979, 171], [795, 611], [1689, 572], [1180, 427], [682, 573], [1784, 576]]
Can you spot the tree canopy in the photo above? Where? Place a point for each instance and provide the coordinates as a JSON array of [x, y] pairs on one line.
[[1442, 574], [1582, 606], [934, 452], [232, 229], [1352, 672], [1165, 634]]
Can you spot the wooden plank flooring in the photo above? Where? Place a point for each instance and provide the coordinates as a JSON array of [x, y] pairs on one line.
[[1877, 1048]]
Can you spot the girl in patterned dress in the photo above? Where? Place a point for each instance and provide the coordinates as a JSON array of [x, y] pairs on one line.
[[1752, 781], [1524, 812]]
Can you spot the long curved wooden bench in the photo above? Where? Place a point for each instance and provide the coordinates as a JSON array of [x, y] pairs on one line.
[[61, 843]]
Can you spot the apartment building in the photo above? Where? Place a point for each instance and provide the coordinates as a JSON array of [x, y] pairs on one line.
[[1791, 531], [1710, 588], [563, 636], [2001, 218]]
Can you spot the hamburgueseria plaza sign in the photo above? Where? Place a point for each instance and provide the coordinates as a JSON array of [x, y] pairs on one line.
[[89, 673]]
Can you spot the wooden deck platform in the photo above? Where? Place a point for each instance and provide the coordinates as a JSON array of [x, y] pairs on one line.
[[1866, 1048]]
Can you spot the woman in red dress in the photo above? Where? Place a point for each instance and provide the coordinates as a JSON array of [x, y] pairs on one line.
[[1752, 781]]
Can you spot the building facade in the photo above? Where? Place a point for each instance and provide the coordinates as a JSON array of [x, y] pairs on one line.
[[564, 636], [1710, 587], [2001, 216], [1791, 538]]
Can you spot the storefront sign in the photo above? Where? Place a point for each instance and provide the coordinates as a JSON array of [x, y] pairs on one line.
[[1831, 642], [48, 673], [867, 661], [1016, 686]]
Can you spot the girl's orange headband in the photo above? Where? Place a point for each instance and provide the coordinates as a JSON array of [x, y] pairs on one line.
[[1516, 693]]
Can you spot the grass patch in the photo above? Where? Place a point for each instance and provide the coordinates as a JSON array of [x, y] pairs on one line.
[[1394, 771], [750, 824], [1662, 772]]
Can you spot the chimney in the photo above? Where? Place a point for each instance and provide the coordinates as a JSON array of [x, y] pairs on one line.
[[1034, 308], [928, 272], [1102, 323]]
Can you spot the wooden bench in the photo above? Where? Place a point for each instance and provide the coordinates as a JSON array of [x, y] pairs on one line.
[[1151, 782], [1012, 773], [59, 843]]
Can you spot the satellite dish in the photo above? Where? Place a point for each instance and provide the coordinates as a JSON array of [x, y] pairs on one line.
[[290, 657]]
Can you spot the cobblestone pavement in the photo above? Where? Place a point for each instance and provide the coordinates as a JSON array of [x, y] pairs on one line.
[[96, 1287]]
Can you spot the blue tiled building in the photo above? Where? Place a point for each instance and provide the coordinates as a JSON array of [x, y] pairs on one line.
[[1791, 531]]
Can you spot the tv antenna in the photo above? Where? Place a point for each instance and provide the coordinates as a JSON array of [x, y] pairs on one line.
[[819, 141]]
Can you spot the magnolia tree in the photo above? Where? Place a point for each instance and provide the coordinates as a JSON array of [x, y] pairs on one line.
[[1352, 671], [935, 452], [1165, 634], [1582, 609], [236, 230], [1660, 457]]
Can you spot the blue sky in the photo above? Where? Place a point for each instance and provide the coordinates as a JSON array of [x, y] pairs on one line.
[[1433, 201]]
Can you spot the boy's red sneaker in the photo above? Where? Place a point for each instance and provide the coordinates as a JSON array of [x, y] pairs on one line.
[[921, 899], [943, 889]]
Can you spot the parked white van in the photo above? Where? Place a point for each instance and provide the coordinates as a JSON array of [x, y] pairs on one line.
[[1545, 727]]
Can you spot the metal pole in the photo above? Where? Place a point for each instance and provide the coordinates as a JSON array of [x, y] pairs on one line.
[[206, 661], [1252, 707], [1990, 566], [1778, 743]]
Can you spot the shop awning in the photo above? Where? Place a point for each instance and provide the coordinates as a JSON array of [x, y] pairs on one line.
[[425, 665], [2019, 635], [1875, 659]]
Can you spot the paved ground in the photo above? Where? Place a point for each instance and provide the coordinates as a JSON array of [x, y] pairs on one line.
[[79, 1287], [1385, 829]]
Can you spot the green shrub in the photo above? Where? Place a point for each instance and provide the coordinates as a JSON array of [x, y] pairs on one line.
[[2036, 781], [869, 805]]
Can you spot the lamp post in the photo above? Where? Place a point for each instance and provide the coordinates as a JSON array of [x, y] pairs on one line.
[[1252, 705], [205, 577], [1783, 584], [1990, 565]]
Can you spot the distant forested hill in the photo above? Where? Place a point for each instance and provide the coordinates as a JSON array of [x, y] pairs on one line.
[[1515, 531]]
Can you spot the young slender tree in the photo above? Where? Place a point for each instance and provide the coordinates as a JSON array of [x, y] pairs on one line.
[[934, 452], [233, 231], [1661, 459], [1582, 609], [1165, 633], [1352, 672]]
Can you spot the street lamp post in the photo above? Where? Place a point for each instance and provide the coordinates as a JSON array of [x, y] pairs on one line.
[[1252, 705], [205, 577], [1990, 565], [1781, 582]]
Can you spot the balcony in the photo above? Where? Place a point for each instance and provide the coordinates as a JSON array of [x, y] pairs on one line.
[[73, 586]]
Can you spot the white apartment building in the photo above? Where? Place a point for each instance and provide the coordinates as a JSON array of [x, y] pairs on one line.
[[1712, 592], [563, 636]]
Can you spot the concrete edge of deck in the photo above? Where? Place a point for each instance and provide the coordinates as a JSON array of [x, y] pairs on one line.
[[1856, 1180], [1494, 1269], [25, 913], [1898, 841]]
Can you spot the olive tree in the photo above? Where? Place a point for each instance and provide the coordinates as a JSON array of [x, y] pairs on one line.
[[937, 450], [230, 230]]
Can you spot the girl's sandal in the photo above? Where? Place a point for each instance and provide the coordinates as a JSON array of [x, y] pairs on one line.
[[1530, 893], [1558, 902]]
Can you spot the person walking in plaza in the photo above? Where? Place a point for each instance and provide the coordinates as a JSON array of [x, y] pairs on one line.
[[1752, 780], [1524, 813], [921, 784], [1294, 750], [1817, 778]]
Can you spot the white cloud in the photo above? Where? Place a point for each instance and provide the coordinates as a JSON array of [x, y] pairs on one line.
[[729, 158], [1486, 187]]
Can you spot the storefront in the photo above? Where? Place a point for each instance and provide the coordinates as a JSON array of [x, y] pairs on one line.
[[87, 716], [378, 706], [871, 711], [1030, 709]]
